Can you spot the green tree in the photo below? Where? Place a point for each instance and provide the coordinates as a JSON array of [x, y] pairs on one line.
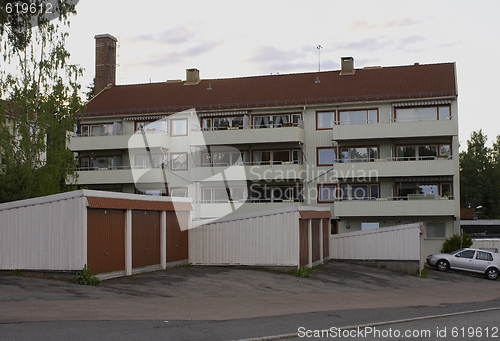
[[40, 90], [479, 175]]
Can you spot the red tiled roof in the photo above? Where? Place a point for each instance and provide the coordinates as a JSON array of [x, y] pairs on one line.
[[371, 84]]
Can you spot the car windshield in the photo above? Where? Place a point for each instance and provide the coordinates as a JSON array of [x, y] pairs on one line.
[[455, 252]]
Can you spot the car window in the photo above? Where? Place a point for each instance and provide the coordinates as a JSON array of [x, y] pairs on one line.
[[466, 254], [481, 255]]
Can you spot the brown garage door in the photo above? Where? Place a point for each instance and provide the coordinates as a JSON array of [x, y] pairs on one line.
[[315, 240], [177, 240], [105, 240], [303, 242], [326, 238], [145, 238]]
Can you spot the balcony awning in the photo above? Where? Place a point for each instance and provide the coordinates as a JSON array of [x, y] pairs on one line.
[[223, 113], [422, 103], [424, 178]]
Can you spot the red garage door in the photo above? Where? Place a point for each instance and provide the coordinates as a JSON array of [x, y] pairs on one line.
[[145, 238], [303, 242], [105, 240]]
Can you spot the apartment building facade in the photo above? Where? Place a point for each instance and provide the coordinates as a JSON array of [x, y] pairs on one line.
[[377, 145]]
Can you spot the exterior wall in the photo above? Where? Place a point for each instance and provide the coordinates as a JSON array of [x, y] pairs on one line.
[[267, 240], [391, 243], [43, 236]]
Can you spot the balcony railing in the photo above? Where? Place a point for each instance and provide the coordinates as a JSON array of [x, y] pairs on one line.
[[146, 131], [260, 126], [256, 163]]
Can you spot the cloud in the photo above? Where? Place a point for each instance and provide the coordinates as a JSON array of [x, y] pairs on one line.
[[177, 56], [380, 43], [174, 36], [365, 25], [271, 59]]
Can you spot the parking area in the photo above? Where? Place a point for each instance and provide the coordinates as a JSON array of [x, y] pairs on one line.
[[186, 281]]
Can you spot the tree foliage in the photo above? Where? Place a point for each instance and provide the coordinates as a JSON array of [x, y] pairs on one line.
[[480, 176], [39, 90], [453, 243]]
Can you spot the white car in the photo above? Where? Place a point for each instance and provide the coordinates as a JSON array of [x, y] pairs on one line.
[[480, 261]]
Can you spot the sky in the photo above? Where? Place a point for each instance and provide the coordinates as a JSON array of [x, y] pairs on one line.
[[160, 39]]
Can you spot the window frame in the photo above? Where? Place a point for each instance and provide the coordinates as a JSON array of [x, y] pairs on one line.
[[319, 198], [172, 126], [335, 159], [417, 119], [332, 112], [172, 161], [367, 119]]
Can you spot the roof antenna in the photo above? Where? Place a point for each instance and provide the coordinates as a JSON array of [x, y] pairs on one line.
[[319, 47]]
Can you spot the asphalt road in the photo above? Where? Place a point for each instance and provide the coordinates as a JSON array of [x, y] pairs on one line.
[[223, 303]]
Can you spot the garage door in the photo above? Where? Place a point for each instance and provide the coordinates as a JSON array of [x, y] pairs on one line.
[[145, 238], [105, 240], [177, 240]]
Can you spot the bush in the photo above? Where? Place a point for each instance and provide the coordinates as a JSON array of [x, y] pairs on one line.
[[303, 272], [85, 277], [453, 243]]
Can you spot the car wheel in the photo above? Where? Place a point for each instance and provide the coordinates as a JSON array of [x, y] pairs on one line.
[[491, 273], [442, 265]]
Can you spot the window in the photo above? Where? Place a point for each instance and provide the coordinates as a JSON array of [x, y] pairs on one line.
[[481, 255], [220, 159], [178, 192], [436, 230], [327, 193], [415, 190], [358, 117], [276, 157], [149, 161], [178, 161], [468, 254], [423, 152], [325, 120], [179, 127], [84, 130], [206, 124], [358, 154], [326, 156], [265, 193], [159, 126], [359, 191], [423, 114], [272, 121]]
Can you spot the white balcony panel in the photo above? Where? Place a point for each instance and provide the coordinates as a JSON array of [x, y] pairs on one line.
[[282, 172], [116, 142], [395, 130], [118, 176], [394, 208], [246, 136], [384, 168]]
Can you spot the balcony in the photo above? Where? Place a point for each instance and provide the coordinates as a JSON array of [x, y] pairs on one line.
[[240, 135], [390, 130], [285, 171], [215, 210], [395, 167], [117, 141], [387, 207], [119, 175]]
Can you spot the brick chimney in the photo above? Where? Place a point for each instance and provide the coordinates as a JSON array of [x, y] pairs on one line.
[[347, 66], [105, 61]]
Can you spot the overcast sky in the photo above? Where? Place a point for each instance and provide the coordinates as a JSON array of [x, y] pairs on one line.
[[160, 39]]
